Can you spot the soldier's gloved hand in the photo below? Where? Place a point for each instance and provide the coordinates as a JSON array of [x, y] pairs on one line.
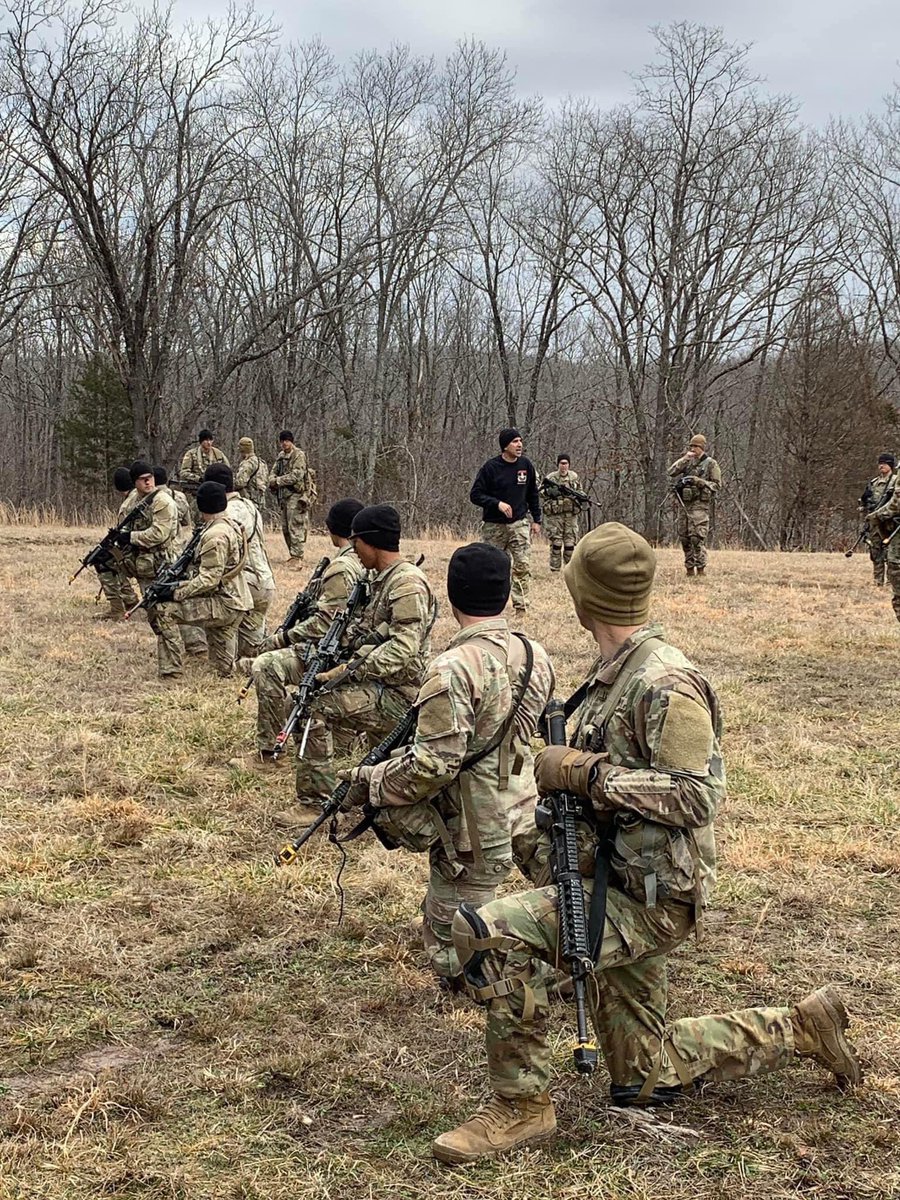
[[358, 794], [562, 769], [161, 593], [122, 538], [332, 676], [275, 641]]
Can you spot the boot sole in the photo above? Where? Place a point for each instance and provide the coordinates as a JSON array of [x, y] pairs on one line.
[[456, 1158], [834, 1008]]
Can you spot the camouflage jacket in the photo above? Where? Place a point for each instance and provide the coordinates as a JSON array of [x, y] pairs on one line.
[[330, 592], [185, 520], [394, 632], [290, 474], [876, 490], [705, 475], [657, 799], [196, 461], [463, 702], [562, 504], [251, 478], [217, 588], [884, 520], [247, 517], [154, 533]]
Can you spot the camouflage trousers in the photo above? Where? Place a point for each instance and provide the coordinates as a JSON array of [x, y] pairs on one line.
[[274, 673], [562, 531], [252, 629], [878, 556], [118, 590], [693, 529], [364, 707], [515, 539], [630, 1000], [171, 636], [294, 524], [893, 578], [221, 638]]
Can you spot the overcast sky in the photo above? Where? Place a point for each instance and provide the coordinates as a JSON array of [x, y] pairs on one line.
[[834, 56]]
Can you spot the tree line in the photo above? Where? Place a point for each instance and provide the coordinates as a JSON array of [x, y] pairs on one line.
[[207, 226]]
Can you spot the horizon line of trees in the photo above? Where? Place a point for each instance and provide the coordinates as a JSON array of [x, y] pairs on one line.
[[206, 226]]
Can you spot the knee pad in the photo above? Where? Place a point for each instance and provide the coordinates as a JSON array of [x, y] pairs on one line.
[[472, 940]]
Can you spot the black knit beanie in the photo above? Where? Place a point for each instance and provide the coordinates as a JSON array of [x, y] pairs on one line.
[[340, 517], [220, 473], [478, 580], [378, 526], [285, 436], [160, 476], [122, 479], [205, 435], [211, 497], [139, 468], [562, 458], [889, 459], [506, 436]]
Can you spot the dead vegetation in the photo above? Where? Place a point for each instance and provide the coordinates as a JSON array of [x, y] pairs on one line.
[[180, 1019]]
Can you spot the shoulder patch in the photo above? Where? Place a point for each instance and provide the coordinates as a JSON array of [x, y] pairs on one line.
[[437, 713], [686, 738]]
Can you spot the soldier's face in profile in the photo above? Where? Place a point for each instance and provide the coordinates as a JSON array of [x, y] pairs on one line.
[[364, 552], [884, 469]]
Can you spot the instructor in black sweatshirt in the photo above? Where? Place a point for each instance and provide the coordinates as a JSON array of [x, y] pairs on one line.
[[506, 491]]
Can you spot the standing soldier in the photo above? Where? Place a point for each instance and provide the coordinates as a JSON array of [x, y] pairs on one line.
[[294, 487], [216, 596], [195, 462], [561, 512], [192, 636], [464, 789], [390, 649], [699, 480], [878, 492], [505, 490], [112, 577], [646, 764], [884, 523], [251, 479]]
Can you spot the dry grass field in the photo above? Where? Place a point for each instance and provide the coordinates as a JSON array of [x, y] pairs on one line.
[[180, 1019]]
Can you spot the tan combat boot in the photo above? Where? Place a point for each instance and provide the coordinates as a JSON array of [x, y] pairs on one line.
[[689, 571], [819, 1022], [300, 817], [499, 1125], [258, 760]]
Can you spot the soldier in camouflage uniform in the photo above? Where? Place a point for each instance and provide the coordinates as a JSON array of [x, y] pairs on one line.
[[192, 636], [646, 760], [387, 652], [196, 460], [560, 512], [113, 580], [216, 595], [698, 480], [251, 479], [281, 663], [257, 571], [878, 492], [883, 523], [464, 789], [293, 484]]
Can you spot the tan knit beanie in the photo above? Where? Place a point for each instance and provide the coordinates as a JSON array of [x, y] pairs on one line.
[[611, 574], [246, 444], [698, 440]]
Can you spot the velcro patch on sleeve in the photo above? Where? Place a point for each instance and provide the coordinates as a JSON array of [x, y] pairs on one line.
[[437, 712], [686, 738]]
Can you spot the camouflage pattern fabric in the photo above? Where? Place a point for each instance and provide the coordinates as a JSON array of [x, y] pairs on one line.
[[257, 572], [515, 539], [881, 526], [290, 481], [875, 491], [251, 479], [216, 596], [196, 460], [463, 702], [692, 509], [655, 792], [561, 520], [185, 520], [393, 638]]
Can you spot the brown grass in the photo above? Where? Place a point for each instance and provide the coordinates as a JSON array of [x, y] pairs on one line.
[[179, 1019]]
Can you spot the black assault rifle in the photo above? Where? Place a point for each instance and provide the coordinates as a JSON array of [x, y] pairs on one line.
[[185, 485], [173, 572], [398, 736], [563, 490], [558, 815], [327, 656], [104, 551], [303, 606]]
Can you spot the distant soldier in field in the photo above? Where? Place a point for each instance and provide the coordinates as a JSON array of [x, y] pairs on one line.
[[192, 636], [113, 579], [561, 512], [199, 457], [884, 523], [251, 479], [877, 492], [697, 480], [293, 485], [216, 595], [464, 790], [506, 491]]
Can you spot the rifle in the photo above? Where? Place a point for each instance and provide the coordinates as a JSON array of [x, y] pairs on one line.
[[302, 607], [558, 815], [863, 537], [185, 485], [103, 551], [397, 737], [327, 656], [563, 489], [173, 572]]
